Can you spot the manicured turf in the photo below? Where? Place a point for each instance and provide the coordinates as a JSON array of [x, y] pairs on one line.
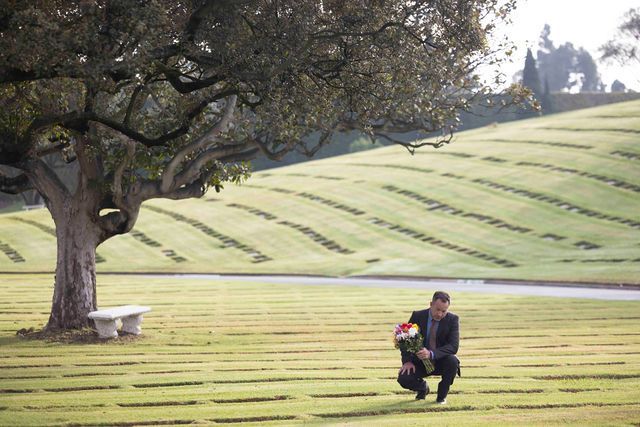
[[554, 198], [551, 198], [246, 352]]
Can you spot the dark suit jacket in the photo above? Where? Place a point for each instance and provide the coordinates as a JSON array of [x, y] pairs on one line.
[[447, 336]]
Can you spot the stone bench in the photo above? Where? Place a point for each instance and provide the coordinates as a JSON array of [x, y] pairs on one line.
[[106, 320]]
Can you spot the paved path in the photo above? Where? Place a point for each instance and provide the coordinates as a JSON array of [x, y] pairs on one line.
[[431, 285]]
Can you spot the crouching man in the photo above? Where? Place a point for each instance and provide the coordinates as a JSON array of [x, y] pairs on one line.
[[441, 332]]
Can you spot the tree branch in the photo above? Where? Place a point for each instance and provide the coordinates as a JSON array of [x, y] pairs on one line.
[[173, 77], [15, 75], [118, 197], [270, 153], [78, 121], [50, 150], [193, 168], [206, 9], [14, 185], [46, 121], [412, 146], [132, 103], [239, 157], [324, 139], [194, 190], [119, 222], [196, 18], [12, 154], [87, 161], [141, 138], [47, 183], [169, 174]]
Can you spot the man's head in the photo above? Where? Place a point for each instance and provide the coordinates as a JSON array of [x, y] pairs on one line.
[[439, 305]]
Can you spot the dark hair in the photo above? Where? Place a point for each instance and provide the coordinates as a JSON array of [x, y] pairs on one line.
[[442, 296]]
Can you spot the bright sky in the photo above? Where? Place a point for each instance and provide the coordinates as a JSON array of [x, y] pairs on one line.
[[584, 23]]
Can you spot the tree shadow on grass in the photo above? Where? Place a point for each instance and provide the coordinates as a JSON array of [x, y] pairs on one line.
[[71, 336]]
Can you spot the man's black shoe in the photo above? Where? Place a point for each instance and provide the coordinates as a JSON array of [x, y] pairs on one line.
[[422, 394]]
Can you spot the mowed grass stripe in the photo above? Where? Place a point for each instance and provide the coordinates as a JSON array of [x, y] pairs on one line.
[[571, 366]]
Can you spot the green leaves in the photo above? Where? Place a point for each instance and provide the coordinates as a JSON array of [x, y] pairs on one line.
[[159, 73], [235, 173]]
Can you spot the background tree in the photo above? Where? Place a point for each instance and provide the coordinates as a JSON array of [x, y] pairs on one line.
[[565, 67], [618, 86], [590, 78], [530, 77], [553, 63], [625, 48], [169, 98], [546, 101]]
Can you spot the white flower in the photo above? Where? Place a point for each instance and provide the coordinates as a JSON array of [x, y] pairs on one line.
[[413, 332]]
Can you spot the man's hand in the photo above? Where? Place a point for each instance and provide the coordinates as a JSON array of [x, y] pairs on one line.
[[408, 368], [423, 354]]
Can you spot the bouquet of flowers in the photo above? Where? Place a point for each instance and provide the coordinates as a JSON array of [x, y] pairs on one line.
[[407, 337]]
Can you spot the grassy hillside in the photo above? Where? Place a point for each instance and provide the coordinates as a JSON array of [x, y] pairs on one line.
[[244, 353], [551, 198]]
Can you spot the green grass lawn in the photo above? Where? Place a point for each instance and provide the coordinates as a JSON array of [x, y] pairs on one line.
[[551, 198], [244, 352]]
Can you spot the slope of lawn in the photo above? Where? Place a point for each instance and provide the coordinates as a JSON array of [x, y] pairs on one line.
[[550, 198], [246, 353]]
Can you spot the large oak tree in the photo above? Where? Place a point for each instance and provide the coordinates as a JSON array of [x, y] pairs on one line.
[[165, 98]]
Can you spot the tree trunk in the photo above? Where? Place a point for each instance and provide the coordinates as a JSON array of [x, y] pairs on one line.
[[74, 295]]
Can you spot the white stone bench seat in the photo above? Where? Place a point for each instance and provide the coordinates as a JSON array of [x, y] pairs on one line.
[[106, 320]]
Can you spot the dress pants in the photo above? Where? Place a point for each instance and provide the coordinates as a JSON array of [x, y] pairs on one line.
[[447, 367]]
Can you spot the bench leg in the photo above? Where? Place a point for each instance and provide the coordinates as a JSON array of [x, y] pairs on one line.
[[131, 324], [106, 328]]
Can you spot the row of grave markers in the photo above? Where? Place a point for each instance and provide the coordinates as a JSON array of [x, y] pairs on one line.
[[557, 202], [11, 253], [441, 243], [549, 143], [602, 178], [228, 242], [318, 238], [435, 205], [626, 155], [307, 231]]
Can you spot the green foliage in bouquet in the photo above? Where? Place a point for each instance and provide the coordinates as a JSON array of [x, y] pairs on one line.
[[407, 338]]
